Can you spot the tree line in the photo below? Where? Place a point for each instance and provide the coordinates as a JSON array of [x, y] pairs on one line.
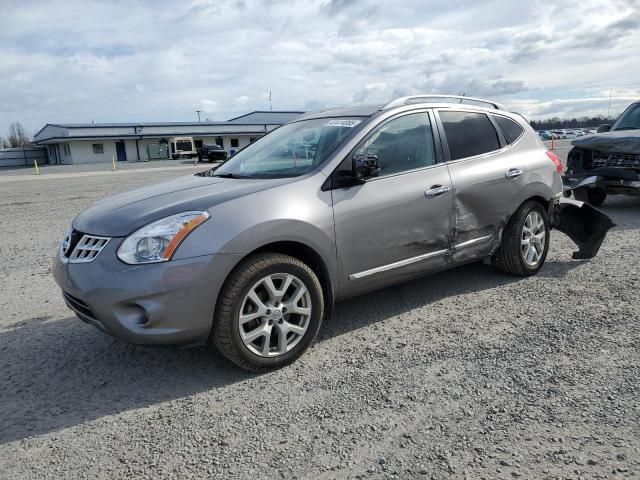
[[17, 137], [582, 122]]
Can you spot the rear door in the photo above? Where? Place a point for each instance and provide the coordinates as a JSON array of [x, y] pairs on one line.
[[396, 224], [486, 175]]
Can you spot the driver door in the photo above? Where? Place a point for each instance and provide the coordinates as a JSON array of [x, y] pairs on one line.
[[397, 224]]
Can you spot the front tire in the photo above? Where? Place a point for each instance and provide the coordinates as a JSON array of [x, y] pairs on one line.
[[268, 313], [525, 241], [590, 195]]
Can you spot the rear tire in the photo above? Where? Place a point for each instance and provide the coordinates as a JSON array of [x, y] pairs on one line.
[[525, 241], [268, 313], [590, 195]]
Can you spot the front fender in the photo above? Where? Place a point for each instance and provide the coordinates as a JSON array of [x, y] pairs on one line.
[[584, 224]]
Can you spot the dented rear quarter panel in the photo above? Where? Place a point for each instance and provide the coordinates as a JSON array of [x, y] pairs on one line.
[[485, 198]]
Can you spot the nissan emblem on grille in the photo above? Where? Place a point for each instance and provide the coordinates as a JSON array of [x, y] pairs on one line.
[[66, 243]]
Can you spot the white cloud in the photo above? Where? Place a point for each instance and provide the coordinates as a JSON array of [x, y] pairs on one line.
[[161, 60], [208, 106]]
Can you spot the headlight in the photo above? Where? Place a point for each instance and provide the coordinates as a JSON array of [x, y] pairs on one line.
[[157, 241]]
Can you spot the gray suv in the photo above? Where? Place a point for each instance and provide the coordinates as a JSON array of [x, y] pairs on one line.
[[253, 254]]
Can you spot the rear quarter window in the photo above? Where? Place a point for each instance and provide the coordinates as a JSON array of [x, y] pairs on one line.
[[468, 134], [510, 129]]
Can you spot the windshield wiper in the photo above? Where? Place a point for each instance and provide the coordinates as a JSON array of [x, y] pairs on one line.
[[230, 175]]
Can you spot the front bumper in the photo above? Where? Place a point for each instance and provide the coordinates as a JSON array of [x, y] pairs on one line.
[[612, 180], [160, 303]]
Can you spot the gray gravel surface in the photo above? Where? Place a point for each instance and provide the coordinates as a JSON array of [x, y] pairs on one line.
[[469, 373]]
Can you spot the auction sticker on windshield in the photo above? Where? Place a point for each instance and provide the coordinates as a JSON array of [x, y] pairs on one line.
[[343, 123]]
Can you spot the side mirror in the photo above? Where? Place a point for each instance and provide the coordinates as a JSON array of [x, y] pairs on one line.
[[365, 166], [604, 128]]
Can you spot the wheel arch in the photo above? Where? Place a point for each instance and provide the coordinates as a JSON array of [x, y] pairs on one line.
[[546, 203], [309, 256]]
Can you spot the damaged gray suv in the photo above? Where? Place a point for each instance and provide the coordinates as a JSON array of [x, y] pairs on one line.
[[253, 254]]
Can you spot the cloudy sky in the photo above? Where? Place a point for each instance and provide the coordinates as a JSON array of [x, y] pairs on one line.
[[82, 60]]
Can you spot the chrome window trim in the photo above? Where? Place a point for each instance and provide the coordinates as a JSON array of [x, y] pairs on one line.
[[398, 264]]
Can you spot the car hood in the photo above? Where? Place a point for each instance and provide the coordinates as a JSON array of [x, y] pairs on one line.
[[624, 141], [122, 214]]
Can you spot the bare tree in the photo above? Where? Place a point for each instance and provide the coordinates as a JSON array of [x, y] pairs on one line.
[[3, 143], [17, 135]]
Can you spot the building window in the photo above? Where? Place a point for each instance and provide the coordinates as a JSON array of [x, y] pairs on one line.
[[98, 148], [67, 150], [235, 143], [252, 139], [219, 142]]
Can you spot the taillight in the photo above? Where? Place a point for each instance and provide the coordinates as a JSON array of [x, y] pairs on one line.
[[556, 161]]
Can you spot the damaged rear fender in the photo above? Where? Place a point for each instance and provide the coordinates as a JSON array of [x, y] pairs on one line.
[[585, 225]]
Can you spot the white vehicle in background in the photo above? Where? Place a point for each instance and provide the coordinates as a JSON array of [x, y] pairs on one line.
[[569, 134], [183, 147]]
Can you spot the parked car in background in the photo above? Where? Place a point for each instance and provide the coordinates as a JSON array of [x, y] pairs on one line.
[[212, 153], [254, 253], [182, 147], [607, 163], [559, 134], [544, 135]]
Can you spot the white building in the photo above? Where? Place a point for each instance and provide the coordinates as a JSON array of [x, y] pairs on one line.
[[141, 142]]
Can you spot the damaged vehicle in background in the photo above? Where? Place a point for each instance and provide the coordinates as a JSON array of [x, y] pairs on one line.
[[607, 163], [253, 254]]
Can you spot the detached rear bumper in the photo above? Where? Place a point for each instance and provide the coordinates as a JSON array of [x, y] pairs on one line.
[[585, 225]]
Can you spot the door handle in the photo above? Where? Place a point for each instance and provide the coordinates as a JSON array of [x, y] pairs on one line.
[[436, 190], [514, 173]]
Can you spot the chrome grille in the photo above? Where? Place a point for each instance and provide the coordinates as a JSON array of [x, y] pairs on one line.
[[88, 249], [81, 248], [615, 159]]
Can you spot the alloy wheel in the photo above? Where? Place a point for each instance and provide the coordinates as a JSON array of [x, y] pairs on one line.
[[275, 314], [533, 238]]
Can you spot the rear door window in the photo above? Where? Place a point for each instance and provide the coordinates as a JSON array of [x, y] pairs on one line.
[[468, 134], [510, 129]]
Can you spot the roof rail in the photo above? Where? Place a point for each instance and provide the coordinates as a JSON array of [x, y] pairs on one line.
[[398, 102]]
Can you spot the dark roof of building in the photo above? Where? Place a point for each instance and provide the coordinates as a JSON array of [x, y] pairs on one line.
[[132, 124], [254, 121], [260, 116], [362, 111]]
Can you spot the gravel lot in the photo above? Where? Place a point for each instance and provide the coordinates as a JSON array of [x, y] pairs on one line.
[[465, 374]]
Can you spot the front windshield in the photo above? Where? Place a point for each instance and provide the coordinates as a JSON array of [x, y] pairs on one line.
[[291, 150], [630, 119]]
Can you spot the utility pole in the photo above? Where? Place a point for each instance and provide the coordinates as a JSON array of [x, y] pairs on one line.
[[270, 104], [198, 112], [609, 110]]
